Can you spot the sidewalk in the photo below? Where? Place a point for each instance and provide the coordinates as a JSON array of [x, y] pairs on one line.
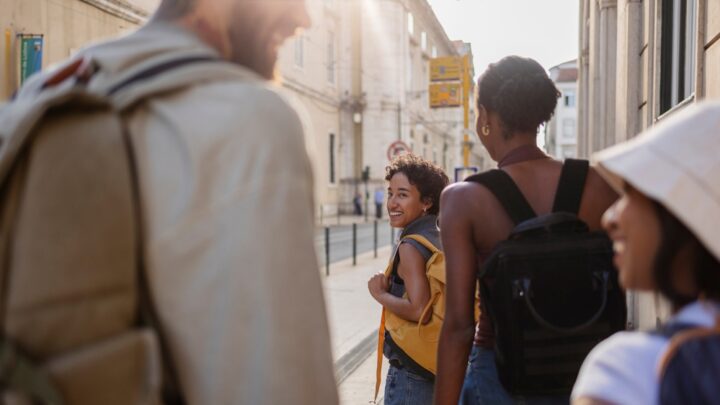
[[354, 317]]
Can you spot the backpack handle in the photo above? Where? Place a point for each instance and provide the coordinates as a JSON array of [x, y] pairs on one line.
[[526, 288], [554, 222]]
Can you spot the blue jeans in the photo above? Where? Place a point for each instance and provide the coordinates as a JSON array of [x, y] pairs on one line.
[[403, 387], [482, 384]]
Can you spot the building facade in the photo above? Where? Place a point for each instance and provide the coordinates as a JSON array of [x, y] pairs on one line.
[[359, 76], [640, 62], [61, 27], [313, 69], [561, 130]]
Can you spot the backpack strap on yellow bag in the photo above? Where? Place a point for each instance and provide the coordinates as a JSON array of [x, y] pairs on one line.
[[423, 241], [381, 343], [381, 330]]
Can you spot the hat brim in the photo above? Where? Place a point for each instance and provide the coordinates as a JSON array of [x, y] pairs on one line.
[[665, 180]]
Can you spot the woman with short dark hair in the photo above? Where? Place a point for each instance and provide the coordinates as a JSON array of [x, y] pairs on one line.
[[413, 197], [515, 97]]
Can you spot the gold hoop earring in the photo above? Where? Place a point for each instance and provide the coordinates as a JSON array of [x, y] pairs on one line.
[[485, 130]]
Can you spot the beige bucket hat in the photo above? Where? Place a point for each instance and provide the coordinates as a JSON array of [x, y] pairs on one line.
[[677, 163]]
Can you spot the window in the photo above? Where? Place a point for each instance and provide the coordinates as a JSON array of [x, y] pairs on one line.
[[677, 52], [331, 57], [569, 99], [434, 51], [568, 131], [332, 158], [423, 40], [300, 51], [411, 24]]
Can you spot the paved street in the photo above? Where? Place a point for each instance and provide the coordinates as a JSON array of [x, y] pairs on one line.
[[341, 240]]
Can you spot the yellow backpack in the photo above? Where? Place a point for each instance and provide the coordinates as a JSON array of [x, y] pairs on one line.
[[417, 340]]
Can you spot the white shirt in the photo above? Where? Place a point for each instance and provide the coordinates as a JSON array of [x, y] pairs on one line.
[[623, 368]]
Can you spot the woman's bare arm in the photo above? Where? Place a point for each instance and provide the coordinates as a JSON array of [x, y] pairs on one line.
[[461, 266], [412, 270]]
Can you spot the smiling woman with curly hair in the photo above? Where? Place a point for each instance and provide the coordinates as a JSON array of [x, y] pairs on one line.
[[414, 188]]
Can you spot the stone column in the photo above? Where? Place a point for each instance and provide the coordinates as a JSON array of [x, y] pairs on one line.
[[628, 86]]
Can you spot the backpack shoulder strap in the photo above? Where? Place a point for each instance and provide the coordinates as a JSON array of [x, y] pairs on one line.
[[507, 192], [424, 246], [571, 185], [157, 69], [680, 334], [424, 242], [166, 74]]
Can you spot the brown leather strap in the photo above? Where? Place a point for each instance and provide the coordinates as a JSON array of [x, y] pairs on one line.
[[171, 389], [683, 337]]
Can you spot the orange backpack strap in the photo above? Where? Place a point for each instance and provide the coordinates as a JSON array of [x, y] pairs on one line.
[[683, 337], [381, 343], [423, 241]]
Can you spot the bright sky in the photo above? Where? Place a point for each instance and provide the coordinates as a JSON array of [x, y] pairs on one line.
[[545, 30]]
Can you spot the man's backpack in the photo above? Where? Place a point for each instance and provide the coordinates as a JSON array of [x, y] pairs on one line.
[[689, 370], [550, 289], [77, 324]]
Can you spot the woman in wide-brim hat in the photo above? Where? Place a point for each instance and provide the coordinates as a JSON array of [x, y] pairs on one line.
[[666, 234]]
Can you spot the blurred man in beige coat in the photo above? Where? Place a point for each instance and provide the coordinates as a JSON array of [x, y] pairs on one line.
[[227, 198], [219, 225]]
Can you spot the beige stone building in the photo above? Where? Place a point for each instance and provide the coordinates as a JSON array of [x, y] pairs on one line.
[[314, 69], [359, 76], [561, 130], [640, 62], [65, 27], [398, 39]]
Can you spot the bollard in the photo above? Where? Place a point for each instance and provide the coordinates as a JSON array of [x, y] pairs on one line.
[[354, 243], [375, 237], [327, 251]]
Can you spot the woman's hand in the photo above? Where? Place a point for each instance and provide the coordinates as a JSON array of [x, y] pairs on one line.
[[378, 285]]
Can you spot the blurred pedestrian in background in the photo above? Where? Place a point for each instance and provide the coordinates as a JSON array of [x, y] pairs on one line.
[[357, 204], [379, 200]]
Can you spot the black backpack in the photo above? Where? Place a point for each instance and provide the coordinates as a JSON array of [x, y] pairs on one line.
[[550, 289], [690, 367]]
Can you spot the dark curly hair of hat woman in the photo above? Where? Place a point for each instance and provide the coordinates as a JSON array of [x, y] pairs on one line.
[[429, 179], [519, 90]]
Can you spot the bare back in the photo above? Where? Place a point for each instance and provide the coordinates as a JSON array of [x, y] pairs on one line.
[[538, 181]]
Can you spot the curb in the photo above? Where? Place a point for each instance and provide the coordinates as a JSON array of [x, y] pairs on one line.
[[351, 360]]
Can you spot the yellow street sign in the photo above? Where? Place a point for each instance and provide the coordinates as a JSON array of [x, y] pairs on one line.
[[445, 95], [445, 68]]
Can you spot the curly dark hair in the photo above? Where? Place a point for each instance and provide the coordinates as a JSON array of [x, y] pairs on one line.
[[519, 90], [429, 179]]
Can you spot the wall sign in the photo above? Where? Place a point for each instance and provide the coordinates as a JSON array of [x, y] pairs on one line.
[[31, 54]]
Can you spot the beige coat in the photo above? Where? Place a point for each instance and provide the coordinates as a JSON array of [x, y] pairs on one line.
[[227, 195]]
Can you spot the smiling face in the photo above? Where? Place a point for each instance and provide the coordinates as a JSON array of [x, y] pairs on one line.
[[259, 27], [633, 226], [404, 203]]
